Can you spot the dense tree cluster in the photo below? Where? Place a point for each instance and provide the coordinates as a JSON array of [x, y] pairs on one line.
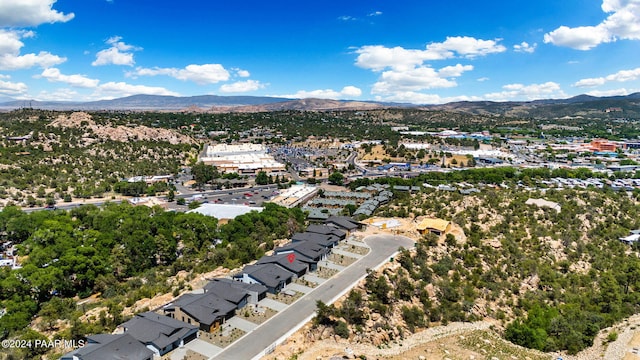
[[111, 250]]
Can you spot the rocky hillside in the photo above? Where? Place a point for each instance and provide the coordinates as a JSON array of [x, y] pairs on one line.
[[120, 133], [546, 279], [303, 105]]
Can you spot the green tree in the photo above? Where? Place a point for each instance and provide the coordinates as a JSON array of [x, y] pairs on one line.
[[336, 178], [203, 173], [262, 178]]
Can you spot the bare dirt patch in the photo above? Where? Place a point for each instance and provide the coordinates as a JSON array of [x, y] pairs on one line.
[[342, 260]]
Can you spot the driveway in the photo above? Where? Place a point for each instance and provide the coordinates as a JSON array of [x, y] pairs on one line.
[[200, 346], [265, 336]]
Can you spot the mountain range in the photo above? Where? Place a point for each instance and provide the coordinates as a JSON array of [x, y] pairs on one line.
[[629, 104]]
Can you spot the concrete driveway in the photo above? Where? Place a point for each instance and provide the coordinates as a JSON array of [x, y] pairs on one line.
[[201, 347]]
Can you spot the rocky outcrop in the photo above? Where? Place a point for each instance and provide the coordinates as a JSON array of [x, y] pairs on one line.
[[120, 133]]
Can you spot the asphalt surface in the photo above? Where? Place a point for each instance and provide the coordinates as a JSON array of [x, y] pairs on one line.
[[264, 336]]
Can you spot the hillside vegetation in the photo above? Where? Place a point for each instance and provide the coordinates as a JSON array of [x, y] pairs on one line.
[[551, 279], [73, 155], [119, 254]]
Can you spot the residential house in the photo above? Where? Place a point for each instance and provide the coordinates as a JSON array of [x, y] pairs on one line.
[[207, 311], [327, 230], [291, 262], [227, 291], [159, 333], [110, 347], [272, 276], [256, 292], [345, 223], [309, 249], [434, 226], [326, 241]]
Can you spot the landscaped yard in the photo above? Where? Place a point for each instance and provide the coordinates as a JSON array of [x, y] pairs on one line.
[[341, 259], [256, 316], [325, 273], [306, 283], [285, 298], [360, 250], [222, 338]]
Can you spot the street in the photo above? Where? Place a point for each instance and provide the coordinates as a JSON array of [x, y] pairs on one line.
[[254, 344]]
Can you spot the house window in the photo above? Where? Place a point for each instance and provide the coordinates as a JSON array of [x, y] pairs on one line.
[[189, 320]]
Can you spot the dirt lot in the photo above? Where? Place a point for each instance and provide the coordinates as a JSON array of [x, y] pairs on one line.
[[454, 341]]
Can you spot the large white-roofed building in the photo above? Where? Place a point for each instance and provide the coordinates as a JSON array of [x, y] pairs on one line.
[[224, 212], [242, 159]]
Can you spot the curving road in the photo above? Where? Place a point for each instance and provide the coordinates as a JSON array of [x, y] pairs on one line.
[[253, 345]]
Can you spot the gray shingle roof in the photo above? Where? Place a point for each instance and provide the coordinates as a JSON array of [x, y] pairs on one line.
[[343, 222], [157, 330], [326, 230], [226, 291], [306, 248], [296, 266], [205, 308], [320, 239], [260, 289], [271, 275], [111, 347]]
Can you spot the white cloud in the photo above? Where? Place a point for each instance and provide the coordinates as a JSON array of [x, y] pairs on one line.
[[482, 79], [347, 92], [351, 91], [527, 92], [112, 90], [404, 72], [30, 13], [241, 86], [454, 71], [620, 76], [613, 92], [378, 57], [467, 46], [420, 98], [10, 58], [593, 82], [242, 73], [63, 94], [579, 38], [375, 13], [118, 54], [12, 88], [419, 78], [54, 75], [199, 74], [623, 23], [525, 47], [346, 18]]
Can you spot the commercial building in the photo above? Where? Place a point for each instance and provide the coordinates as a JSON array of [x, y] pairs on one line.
[[246, 159]]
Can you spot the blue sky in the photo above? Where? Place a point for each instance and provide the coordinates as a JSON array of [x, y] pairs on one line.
[[418, 51]]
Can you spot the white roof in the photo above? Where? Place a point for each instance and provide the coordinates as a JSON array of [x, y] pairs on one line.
[[224, 211], [630, 238]]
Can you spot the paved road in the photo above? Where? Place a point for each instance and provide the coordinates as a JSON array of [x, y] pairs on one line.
[[255, 343]]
